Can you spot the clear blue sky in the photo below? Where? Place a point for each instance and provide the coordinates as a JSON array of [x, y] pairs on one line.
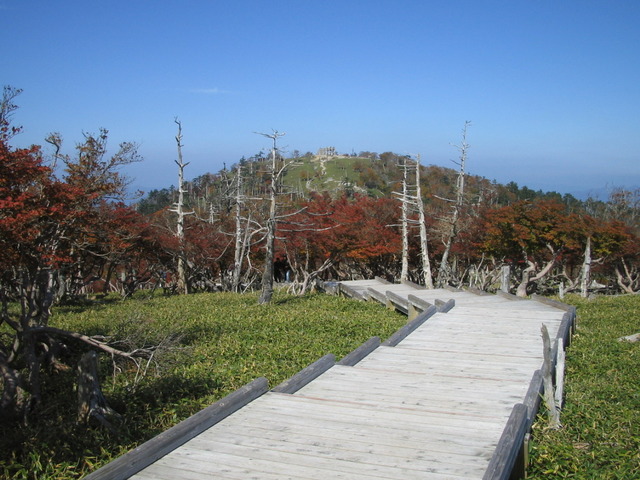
[[552, 87]]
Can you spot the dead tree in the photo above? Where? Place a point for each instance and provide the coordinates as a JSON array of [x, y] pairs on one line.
[[246, 228], [411, 201], [179, 210], [424, 248], [276, 175], [404, 273], [445, 271], [238, 253], [586, 270]]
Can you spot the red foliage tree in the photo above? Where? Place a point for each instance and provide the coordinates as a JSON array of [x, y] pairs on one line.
[[46, 225]]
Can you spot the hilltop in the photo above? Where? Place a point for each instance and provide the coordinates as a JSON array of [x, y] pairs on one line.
[[368, 173]]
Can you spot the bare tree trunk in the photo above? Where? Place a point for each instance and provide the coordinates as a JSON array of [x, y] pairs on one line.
[[267, 276], [630, 281], [586, 270], [444, 273], [183, 286], [529, 274], [404, 273], [424, 250], [237, 259]]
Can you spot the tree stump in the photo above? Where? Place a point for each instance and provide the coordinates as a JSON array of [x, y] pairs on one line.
[[92, 405]]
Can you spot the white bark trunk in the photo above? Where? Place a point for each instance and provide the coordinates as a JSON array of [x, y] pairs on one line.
[[586, 270], [404, 273], [424, 249]]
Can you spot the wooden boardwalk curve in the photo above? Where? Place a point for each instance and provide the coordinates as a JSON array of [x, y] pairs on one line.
[[450, 396]]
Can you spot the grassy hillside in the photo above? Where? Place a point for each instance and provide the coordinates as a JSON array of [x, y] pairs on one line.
[[330, 174]]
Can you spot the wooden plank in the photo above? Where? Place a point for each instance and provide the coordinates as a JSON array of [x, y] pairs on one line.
[[462, 369], [445, 306], [398, 302], [496, 347], [553, 303], [482, 403], [260, 468], [135, 460], [375, 294], [361, 352], [409, 327], [510, 296], [352, 292], [509, 447], [336, 438], [413, 285], [306, 375], [418, 302], [332, 459], [363, 416], [458, 368]]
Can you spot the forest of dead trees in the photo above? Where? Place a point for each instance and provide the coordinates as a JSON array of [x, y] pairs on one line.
[[68, 232]]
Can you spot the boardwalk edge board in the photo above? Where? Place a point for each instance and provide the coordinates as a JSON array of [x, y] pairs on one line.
[[509, 453], [350, 292], [141, 457], [409, 327], [443, 306], [361, 352], [306, 375]]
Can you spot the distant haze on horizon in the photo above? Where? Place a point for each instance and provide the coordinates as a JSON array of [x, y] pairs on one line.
[[551, 88]]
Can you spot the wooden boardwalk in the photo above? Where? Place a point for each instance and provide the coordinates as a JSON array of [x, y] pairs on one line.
[[450, 396]]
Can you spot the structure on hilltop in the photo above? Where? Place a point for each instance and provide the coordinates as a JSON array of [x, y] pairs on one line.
[[327, 152]]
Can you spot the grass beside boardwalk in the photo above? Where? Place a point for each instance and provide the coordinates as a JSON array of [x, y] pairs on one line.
[[600, 437], [226, 341]]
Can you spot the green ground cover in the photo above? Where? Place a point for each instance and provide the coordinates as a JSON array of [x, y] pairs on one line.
[[600, 437]]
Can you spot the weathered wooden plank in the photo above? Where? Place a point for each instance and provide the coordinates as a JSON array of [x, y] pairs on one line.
[[312, 456], [226, 466], [419, 302], [445, 306], [510, 296], [552, 303], [398, 302], [482, 403], [361, 352], [306, 375], [457, 344], [409, 327], [494, 321], [468, 369], [330, 464], [147, 453], [352, 292], [376, 294], [511, 351], [293, 413], [503, 372], [413, 285], [509, 447], [181, 467], [534, 397]]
